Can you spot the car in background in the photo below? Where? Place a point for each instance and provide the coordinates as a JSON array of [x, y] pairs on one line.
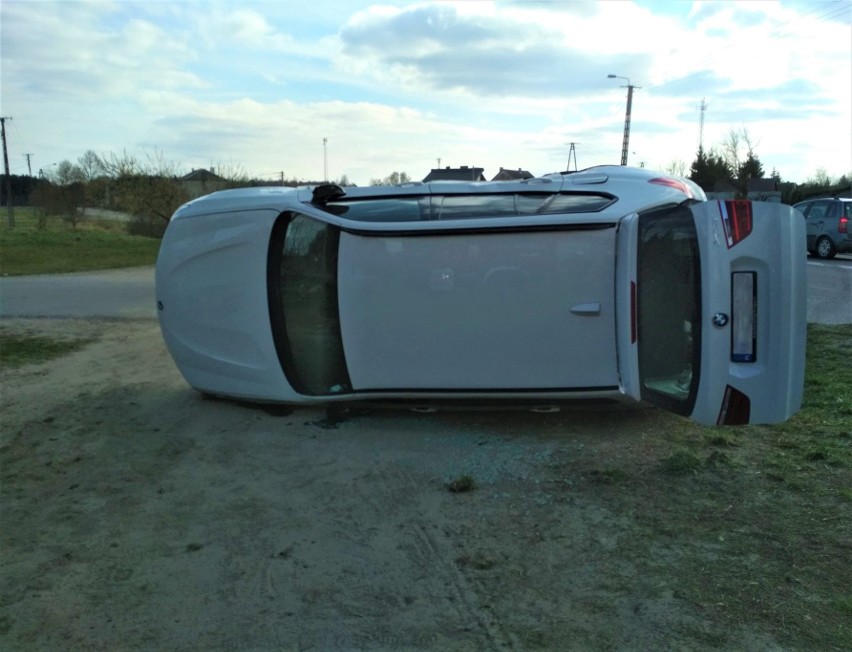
[[611, 284], [827, 224]]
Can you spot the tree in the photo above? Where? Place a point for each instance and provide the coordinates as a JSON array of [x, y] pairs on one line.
[[148, 190], [67, 195], [710, 171], [676, 168], [743, 163], [91, 166], [394, 179]]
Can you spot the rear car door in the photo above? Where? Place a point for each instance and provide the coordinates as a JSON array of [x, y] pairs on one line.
[[721, 311]]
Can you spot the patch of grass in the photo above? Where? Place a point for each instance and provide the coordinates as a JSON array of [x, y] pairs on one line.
[[478, 561], [723, 439], [17, 350], [681, 463], [461, 484], [608, 476], [759, 536], [59, 248]]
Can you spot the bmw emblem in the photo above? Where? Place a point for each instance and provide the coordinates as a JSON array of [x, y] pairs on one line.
[[720, 319]]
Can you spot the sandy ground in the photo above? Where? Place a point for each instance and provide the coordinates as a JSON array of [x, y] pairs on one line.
[[138, 516]]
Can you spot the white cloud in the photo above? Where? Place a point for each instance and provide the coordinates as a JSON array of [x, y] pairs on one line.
[[396, 86]]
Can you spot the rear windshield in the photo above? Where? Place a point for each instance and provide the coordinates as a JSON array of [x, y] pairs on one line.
[[458, 207], [669, 309]]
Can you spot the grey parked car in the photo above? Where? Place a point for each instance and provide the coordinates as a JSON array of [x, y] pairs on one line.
[[827, 224]]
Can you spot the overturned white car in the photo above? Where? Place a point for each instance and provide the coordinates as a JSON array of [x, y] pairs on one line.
[[611, 283]]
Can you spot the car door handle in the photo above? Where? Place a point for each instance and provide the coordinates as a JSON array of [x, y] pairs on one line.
[[587, 309]]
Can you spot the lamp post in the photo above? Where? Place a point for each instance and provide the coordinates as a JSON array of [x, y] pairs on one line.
[[325, 159], [626, 142]]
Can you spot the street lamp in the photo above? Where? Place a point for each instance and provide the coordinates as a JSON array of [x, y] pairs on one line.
[[626, 142], [325, 159]]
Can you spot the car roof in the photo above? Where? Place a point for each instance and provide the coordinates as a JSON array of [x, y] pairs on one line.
[[615, 180]]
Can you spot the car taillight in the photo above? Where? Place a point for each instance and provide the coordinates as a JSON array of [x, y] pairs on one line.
[[674, 183], [844, 225], [737, 220], [736, 408]]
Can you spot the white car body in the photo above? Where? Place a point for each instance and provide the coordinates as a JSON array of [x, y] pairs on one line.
[[570, 286]]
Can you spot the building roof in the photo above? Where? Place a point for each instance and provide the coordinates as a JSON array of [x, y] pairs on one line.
[[464, 173], [762, 185], [511, 175]]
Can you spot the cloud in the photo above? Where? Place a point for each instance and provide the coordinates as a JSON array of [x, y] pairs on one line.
[[442, 49], [397, 85]]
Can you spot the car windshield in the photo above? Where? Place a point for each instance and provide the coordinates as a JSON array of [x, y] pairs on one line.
[[669, 308]]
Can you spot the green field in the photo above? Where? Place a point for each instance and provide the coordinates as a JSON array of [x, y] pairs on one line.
[[58, 248]]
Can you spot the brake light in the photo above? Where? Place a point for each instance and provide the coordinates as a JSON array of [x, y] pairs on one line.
[[674, 183], [737, 220], [844, 225], [736, 408]]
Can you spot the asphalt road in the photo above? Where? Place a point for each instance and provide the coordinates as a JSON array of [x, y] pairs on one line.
[[830, 290], [129, 293], [120, 293]]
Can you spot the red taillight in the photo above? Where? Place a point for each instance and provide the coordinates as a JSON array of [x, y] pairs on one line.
[[674, 183], [736, 408], [737, 219], [844, 224]]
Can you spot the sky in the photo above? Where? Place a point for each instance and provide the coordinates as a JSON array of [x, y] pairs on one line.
[[361, 89]]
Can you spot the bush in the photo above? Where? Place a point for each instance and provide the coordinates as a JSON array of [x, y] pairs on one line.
[[147, 225]]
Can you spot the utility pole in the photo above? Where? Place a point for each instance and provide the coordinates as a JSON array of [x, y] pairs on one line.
[[625, 144], [10, 211], [702, 108], [29, 167], [439, 162]]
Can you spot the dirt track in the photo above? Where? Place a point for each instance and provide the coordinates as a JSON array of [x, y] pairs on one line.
[[137, 515]]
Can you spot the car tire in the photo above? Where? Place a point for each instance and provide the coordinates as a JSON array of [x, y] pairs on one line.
[[825, 248]]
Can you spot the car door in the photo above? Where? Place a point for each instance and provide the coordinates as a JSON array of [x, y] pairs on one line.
[[815, 221], [479, 309], [804, 207]]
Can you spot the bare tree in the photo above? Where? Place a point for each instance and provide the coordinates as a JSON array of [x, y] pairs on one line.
[[393, 179], [148, 190], [91, 165], [676, 168]]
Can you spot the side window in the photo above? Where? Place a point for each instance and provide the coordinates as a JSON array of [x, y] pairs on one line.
[[669, 309], [831, 210], [302, 279], [459, 207], [456, 207], [818, 210], [401, 209], [803, 207]]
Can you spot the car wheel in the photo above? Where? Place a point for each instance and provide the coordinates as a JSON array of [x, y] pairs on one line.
[[825, 248]]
